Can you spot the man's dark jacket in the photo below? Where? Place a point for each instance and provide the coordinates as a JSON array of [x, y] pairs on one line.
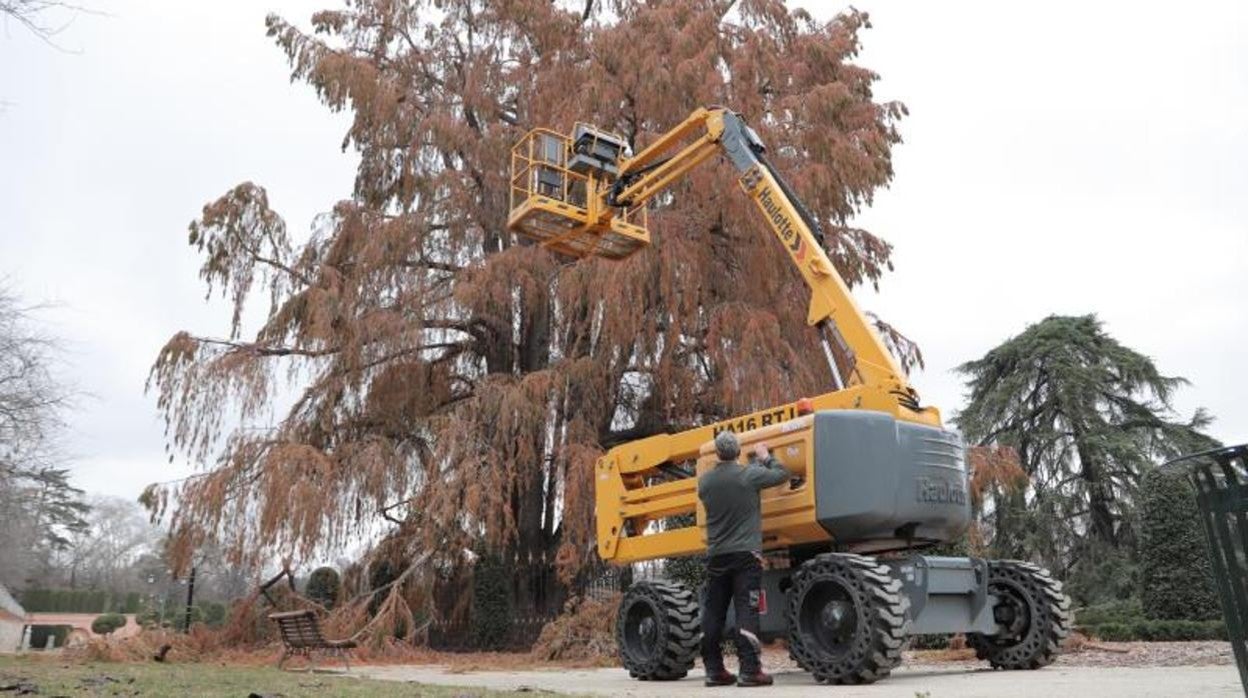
[[729, 492]]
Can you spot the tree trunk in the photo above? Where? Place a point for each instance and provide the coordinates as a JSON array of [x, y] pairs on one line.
[[1100, 499]]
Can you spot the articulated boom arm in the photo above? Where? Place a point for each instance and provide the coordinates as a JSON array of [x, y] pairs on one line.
[[860, 355]]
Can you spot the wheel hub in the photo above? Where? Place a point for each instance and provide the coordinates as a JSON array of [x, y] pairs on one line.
[[829, 618], [646, 629], [1011, 612], [837, 616], [640, 630]]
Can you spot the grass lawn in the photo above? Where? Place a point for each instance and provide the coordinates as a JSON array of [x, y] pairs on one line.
[[54, 676]]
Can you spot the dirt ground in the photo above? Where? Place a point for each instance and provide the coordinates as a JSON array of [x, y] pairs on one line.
[[1122, 669]]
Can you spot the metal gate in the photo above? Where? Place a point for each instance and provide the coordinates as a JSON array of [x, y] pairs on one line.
[[1221, 480]]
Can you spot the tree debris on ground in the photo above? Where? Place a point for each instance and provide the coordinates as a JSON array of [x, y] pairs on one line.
[[584, 632]]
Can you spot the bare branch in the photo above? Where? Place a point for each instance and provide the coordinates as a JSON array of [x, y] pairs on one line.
[[36, 16]]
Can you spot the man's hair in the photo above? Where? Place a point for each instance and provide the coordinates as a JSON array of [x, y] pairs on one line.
[[727, 446]]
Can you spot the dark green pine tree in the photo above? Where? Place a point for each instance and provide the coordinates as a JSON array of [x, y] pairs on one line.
[[324, 586], [491, 601], [1086, 416], [1176, 579]]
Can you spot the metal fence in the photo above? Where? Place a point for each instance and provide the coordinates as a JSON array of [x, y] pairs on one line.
[[1221, 480], [522, 633]]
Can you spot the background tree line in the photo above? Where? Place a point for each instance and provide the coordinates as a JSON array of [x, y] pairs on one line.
[[40, 511]]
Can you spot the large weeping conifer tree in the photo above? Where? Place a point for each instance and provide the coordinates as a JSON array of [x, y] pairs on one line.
[[454, 383], [1086, 416]]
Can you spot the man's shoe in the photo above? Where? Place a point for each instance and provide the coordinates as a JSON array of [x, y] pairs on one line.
[[721, 678], [759, 678]]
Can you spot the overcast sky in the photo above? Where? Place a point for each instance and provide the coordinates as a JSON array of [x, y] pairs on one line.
[[1058, 158]]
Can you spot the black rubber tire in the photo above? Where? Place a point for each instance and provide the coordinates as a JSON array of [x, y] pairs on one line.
[[871, 648], [658, 630], [1043, 623]]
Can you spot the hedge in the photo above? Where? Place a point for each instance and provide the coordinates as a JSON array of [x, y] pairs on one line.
[[79, 601], [1176, 582], [1118, 612], [1157, 631]]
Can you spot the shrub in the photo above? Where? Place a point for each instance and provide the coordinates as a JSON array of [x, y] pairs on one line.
[[107, 623], [1120, 612], [148, 619], [1176, 581], [1124, 621], [214, 614], [691, 570], [324, 585], [1145, 630], [178, 617], [491, 602], [929, 642]]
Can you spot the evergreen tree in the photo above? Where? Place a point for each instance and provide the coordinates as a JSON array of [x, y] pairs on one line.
[[1085, 416], [324, 585], [491, 602], [1176, 578]]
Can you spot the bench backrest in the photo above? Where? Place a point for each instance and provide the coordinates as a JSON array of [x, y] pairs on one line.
[[299, 629]]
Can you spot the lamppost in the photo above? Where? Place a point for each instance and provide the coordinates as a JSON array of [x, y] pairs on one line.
[[190, 599], [152, 594], [164, 577]]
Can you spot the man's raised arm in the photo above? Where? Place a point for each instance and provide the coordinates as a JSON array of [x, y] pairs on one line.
[[766, 471]]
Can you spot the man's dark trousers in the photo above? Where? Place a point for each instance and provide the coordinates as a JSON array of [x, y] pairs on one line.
[[731, 577]]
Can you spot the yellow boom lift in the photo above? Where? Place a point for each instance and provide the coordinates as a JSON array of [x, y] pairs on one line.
[[875, 475]]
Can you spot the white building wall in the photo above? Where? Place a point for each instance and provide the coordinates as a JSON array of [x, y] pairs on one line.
[[10, 634]]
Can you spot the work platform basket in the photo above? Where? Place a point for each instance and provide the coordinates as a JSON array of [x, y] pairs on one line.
[[1221, 480], [558, 194]]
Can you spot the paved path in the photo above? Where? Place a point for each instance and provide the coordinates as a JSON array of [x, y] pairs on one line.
[[928, 681]]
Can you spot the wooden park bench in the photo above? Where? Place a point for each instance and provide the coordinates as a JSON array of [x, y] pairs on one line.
[[301, 634]]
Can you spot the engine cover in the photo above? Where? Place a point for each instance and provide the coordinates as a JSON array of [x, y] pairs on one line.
[[885, 484]]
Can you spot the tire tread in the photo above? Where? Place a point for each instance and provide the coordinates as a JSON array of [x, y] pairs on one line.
[[680, 633]]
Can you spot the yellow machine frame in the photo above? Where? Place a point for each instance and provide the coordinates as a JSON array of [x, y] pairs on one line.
[[603, 213]]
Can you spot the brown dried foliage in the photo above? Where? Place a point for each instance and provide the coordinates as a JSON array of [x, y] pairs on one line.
[[584, 632], [995, 471], [440, 364]]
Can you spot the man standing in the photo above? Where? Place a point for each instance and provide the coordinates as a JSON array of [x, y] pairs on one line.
[[734, 536]]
